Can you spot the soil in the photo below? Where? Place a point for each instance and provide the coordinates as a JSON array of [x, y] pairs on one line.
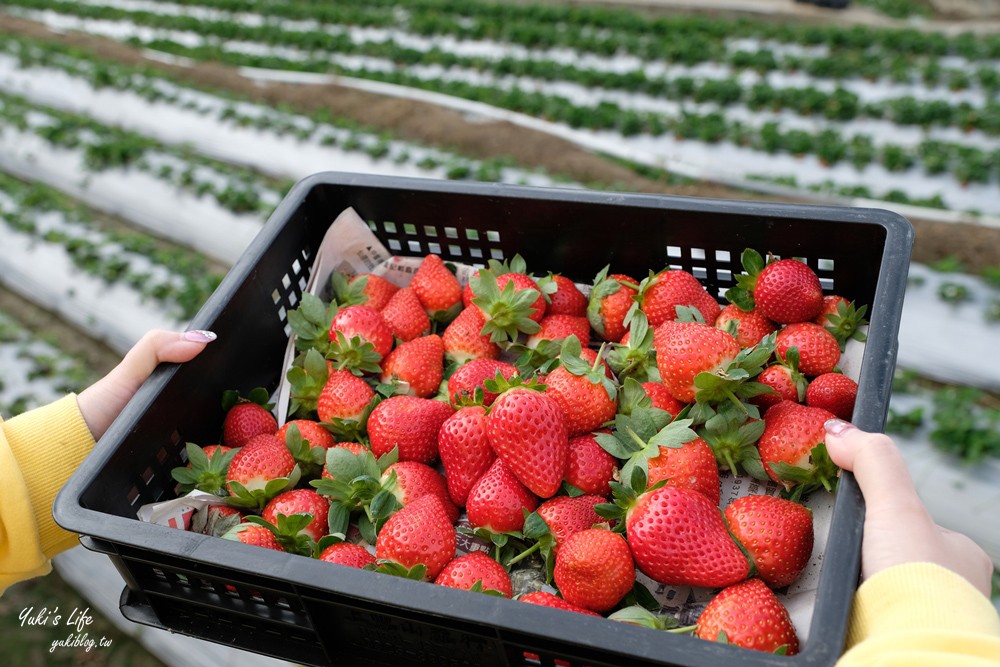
[[976, 247]]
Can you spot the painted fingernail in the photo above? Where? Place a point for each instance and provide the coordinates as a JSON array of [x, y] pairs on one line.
[[199, 336], [837, 426]]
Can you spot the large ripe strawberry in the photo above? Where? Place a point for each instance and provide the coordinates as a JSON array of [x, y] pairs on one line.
[[748, 614], [346, 553], [594, 569], [834, 392], [784, 291], [793, 449], [678, 538], [437, 288], [610, 301], [344, 402], [419, 539], [589, 468], [818, 350], [558, 327], [587, 397], [498, 501], [469, 380], [527, 430], [409, 424], [685, 349], [419, 363], [476, 572], [464, 339], [258, 473], [546, 599], [566, 298], [691, 465], [465, 451], [365, 323], [661, 293], [406, 316], [300, 501], [777, 533], [245, 420], [748, 327]]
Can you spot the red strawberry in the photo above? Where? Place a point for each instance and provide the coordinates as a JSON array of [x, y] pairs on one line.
[[205, 470], [311, 431], [476, 571], [410, 424], [660, 294], [365, 323], [472, 375], [678, 538], [528, 432], [406, 316], [566, 515], [511, 303], [300, 501], [254, 466], [376, 289], [583, 391], [594, 569], [419, 363], [792, 447], [464, 340], [346, 553], [661, 398], [610, 300], [842, 318], [748, 327], [419, 534], [788, 291], [498, 501], [834, 392], [819, 351], [685, 349], [785, 379], [245, 420], [437, 287], [566, 299], [465, 451], [409, 480], [345, 397], [589, 468], [748, 614], [558, 327], [692, 465], [546, 599], [777, 533], [258, 536], [831, 302]]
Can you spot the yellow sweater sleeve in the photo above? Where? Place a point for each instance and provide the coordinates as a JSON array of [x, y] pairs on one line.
[[921, 615], [39, 450]]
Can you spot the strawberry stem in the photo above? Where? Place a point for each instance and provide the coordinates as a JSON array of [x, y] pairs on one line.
[[728, 455], [524, 554]]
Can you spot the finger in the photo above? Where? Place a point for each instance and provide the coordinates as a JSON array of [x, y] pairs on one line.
[[159, 346]]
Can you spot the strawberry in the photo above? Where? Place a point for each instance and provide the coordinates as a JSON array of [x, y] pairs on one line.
[[834, 392], [406, 316], [661, 293], [748, 614], [589, 468], [418, 539], [259, 472], [363, 322], [419, 363], [685, 349], [311, 431], [376, 289], [410, 424], [249, 533], [691, 465], [546, 599], [309, 457], [784, 290], [558, 327], [344, 402], [842, 318], [465, 451], [476, 572], [511, 303], [437, 288], [468, 380], [678, 538], [346, 553], [792, 448], [776, 533], [749, 328], [527, 430], [583, 391], [205, 470], [409, 480], [819, 351], [785, 379], [566, 515], [610, 301], [566, 298], [245, 420], [298, 518], [594, 569], [464, 340], [662, 399], [498, 502]]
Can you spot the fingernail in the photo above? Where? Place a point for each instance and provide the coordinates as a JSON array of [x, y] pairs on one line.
[[837, 426], [199, 336]]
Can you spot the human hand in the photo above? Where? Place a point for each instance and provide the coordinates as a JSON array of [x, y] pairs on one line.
[[898, 528], [101, 402]]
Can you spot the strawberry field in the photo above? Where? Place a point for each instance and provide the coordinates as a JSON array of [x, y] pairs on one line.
[[128, 190]]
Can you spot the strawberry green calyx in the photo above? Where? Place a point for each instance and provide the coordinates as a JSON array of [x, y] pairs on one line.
[[636, 358], [500, 384], [845, 323], [288, 532], [643, 617], [637, 437], [354, 354], [624, 496], [416, 573], [311, 323], [742, 295], [735, 384], [508, 311], [258, 395], [570, 359], [307, 376], [733, 439], [356, 486], [533, 360], [501, 543], [310, 459], [204, 473], [242, 497], [347, 292], [820, 473]]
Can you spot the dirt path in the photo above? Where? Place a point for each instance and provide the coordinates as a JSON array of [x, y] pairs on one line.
[[976, 247]]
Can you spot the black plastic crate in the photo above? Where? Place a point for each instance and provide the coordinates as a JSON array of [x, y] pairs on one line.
[[306, 611]]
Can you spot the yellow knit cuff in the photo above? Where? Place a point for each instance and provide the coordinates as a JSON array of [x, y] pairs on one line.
[[49, 443]]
